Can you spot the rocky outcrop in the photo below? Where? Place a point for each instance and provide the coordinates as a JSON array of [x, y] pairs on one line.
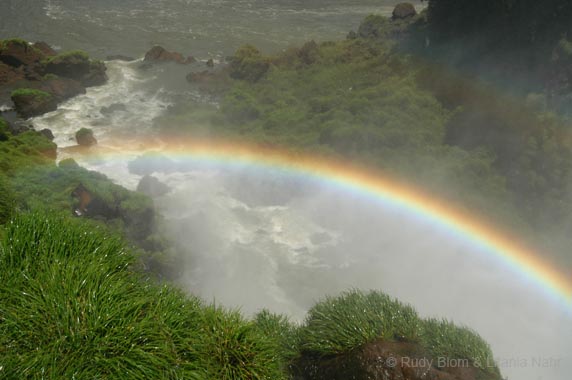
[[77, 66], [152, 187], [18, 53], [85, 137], [37, 67], [45, 49], [30, 102], [403, 11], [158, 54]]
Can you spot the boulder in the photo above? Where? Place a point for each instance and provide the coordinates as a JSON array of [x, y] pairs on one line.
[[18, 53], [403, 10], [31, 102], [47, 133], [45, 49], [77, 66], [158, 54], [210, 63], [152, 187], [84, 137], [115, 107]]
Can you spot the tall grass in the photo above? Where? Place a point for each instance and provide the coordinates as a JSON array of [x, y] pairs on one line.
[[444, 339], [70, 307]]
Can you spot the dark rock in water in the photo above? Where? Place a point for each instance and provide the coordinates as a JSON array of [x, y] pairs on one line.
[[119, 57], [190, 59], [77, 66], [159, 54], [30, 102], [45, 48], [152, 187], [404, 10], [47, 133], [18, 53], [63, 88], [115, 107], [84, 137], [210, 63]]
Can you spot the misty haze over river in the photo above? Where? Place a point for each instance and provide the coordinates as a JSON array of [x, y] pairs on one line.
[[262, 238]]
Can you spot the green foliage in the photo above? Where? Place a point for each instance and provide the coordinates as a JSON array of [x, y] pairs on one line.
[[13, 41], [281, 331], [444, 339], [248, 64], [48, 77], [339, 324], [74, 55], [233, 348], [30, 93], [83, 132]]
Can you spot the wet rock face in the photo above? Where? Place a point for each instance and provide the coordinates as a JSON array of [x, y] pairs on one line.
[[403, 10], [158, 54]]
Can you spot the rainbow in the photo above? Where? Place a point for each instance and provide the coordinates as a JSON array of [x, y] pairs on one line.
[[467, 226]]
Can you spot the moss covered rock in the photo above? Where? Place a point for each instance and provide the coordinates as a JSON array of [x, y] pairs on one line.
[[85, 137], [77, 65], [31, 102]]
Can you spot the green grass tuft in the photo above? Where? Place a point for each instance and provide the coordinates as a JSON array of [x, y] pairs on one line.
[[339, 324], [444, 339], [30, 92]]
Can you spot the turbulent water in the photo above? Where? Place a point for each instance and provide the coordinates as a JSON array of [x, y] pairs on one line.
[[255, 237]]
